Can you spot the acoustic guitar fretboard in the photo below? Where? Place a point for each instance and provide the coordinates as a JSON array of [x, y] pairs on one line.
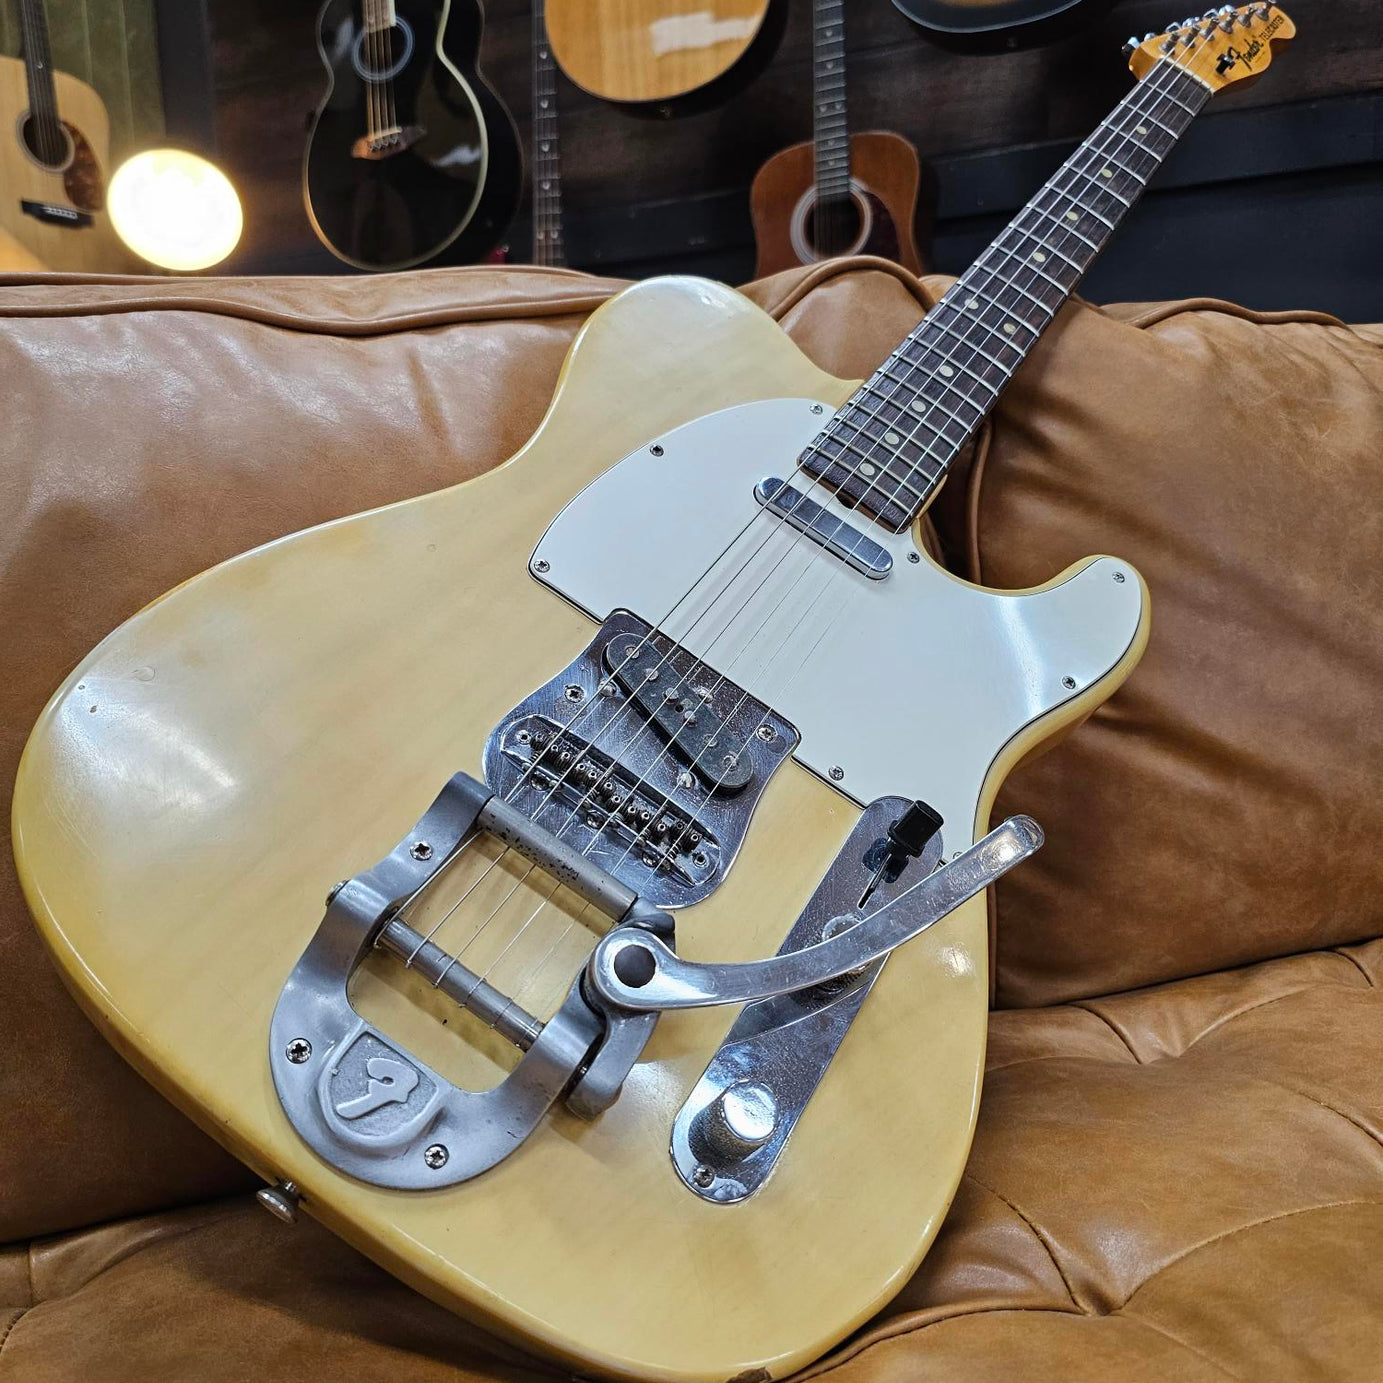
[[548, 245]]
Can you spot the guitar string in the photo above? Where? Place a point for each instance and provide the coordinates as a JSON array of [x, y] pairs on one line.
[[368, 65], [1109, 131], [834, 576], [963, 340]]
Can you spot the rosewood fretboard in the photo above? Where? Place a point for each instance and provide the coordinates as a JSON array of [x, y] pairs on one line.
[[888, 447]]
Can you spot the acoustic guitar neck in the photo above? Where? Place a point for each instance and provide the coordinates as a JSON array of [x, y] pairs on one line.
[[45, 127], [834, 222], [549, 248]]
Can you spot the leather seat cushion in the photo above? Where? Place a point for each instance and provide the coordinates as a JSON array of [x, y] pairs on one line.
[[1180, 1183]]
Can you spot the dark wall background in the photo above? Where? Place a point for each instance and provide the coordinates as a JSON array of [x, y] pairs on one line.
[[1275, 198]]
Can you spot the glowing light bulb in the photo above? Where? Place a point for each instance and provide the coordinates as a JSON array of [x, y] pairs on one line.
[[175, 209]]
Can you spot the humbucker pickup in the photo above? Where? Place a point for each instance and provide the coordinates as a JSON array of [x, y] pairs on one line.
[[838, 537]]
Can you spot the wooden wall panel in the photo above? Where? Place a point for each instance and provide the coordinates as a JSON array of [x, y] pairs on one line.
[[268, 79]]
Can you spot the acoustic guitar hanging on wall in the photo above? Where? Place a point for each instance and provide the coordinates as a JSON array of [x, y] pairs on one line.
[[54, 157], [837, 193], [412, 157], [658, 53]]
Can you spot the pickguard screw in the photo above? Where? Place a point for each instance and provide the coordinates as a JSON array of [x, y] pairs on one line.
[[573, 692], [817, 408], [656, 449], [915, 558], [420, 850], [298, 1050], [1069, 683], [541, 566], [436, 1156], [837, 773], [766, 733], [1119, 577], [703, 1176]]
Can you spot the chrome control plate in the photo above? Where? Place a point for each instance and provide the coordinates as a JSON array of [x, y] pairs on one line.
[[778, 1050]]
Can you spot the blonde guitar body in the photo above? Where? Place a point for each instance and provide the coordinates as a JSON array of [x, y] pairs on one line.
[[276, 724], [78, 183]]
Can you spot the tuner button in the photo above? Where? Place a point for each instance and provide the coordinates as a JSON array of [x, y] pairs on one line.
[[740, 1120]]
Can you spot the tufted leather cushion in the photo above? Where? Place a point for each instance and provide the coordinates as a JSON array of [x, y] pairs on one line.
[[1181, 1183]]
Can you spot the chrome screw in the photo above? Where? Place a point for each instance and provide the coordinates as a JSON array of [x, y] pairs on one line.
[[914, 557], [1119, 577], [817, 408], [699, 859], [684, 779], [420, 850], [1069, 683], [837, 773], [298, 1050], [703, 1176], [573, 692], [656, 449], [542, 566], [766, 733], [436, 1156], [523, 736]]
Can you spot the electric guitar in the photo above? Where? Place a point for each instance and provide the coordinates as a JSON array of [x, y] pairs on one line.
[[659, 53], [54, 156], [646, 780], [840, 193], [412, 158]]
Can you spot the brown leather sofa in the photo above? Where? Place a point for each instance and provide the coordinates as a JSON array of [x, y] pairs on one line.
[[1177, 1172]]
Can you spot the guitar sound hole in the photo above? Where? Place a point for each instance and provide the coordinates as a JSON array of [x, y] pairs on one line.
[[51, 149], [833, 227], [381, 54]]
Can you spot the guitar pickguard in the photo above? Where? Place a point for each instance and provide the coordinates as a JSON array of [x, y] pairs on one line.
[[909, 685]]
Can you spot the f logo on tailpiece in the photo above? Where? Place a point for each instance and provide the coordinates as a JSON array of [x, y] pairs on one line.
[[390, 1082]]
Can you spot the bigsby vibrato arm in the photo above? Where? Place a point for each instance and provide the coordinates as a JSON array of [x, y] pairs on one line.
[[632, 969]]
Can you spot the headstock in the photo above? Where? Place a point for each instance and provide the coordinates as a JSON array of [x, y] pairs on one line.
[[1222, 46]]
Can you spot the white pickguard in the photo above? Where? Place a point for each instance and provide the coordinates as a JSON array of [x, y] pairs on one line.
[[909, 685]]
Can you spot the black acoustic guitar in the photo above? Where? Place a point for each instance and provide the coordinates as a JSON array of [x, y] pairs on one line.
[[985, 25], [412, 157]]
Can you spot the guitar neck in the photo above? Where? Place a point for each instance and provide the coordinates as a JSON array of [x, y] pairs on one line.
[[830, 130], [46, 135], [548, 246], [888, 448]]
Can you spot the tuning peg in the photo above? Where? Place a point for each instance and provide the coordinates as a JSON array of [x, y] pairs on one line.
[[1149, 36], [1131, 46]]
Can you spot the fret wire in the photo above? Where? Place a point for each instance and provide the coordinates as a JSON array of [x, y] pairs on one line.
[[936, 403], [863, 455]]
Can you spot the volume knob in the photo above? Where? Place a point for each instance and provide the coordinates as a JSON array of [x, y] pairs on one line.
[[741, 1119]]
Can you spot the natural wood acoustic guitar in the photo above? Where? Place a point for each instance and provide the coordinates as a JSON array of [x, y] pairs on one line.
[[569, 886], [54, 160], [838, 193], [660, 52]]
